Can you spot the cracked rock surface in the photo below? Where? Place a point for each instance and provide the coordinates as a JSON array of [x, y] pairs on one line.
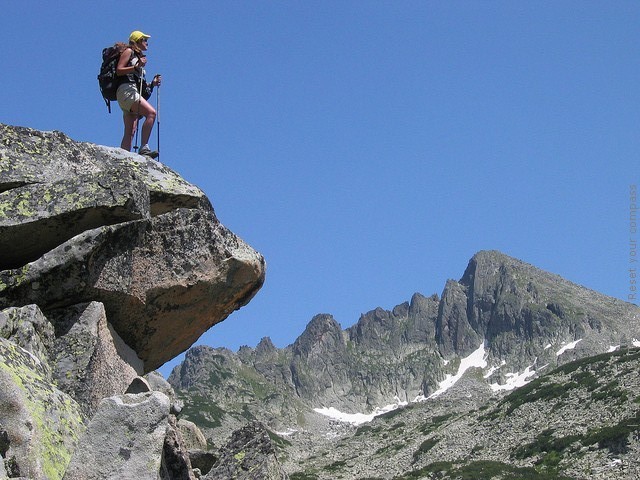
[[85, 223]]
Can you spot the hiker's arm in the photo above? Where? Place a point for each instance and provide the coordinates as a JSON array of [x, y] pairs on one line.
[[122, 68]]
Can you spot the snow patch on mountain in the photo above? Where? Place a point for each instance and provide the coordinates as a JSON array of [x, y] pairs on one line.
[[475, 359], [569, 346], [494, 368], [359, 418], [514, 380]]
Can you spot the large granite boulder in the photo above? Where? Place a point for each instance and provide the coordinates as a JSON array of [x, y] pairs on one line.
[[91, 360], [39, 424], [29, 329], [81, 223], [124, 440]]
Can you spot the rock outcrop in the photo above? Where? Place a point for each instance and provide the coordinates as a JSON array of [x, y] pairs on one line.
[[249, 455], [86, 353], [110, 265], [124, 439], [82, 223], [39, 424]]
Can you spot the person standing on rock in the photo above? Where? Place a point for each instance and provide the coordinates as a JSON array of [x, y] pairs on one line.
[[133, 92]]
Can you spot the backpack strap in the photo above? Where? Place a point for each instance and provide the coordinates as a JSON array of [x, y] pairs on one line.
[[132, 77]]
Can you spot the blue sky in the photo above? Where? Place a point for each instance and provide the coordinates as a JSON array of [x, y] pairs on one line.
[[367, 148]]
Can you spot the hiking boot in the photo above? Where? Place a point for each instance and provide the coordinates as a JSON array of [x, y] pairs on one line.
[[147, 152]]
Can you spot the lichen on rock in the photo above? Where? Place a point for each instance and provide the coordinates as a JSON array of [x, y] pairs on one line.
[[111, 264], [83, 223], [42, 423]]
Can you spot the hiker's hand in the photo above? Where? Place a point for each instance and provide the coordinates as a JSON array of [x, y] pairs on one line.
[[157, 80]]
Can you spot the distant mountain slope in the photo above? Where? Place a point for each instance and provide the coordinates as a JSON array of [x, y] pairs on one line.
[[580, 421], [504, 315]]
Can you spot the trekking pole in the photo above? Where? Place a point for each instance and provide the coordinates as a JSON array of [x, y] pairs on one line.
[[137, 121], [135, 143], [158, 118]]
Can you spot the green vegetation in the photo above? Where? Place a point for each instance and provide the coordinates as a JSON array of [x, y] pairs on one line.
[[367, 430], [335, 466], [247, 414], [303, 476], [539, 389], [550, 449], [597, 361], [627, 354], [424, 447], [480, 470], [398, 425], [615, 437], [390, 448], [202, 411], [392, 413], [255, 384], [280, 442], [476, 449], [609, 392], [586, 379], [490, 416], [434, 422], [581, 375], [217, 377], [435, 470]]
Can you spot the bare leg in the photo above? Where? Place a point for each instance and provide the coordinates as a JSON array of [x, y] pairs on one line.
[[130, 126], [146, 110]]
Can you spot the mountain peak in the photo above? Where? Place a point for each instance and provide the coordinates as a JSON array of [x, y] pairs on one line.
[[323, 332], [523, 317], [502, 325]]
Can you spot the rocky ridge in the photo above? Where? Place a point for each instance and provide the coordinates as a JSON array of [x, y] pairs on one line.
[[503, 324], [110, 265], [520, 315]]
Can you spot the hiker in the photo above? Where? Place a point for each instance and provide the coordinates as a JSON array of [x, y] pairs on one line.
[[133, 92]]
